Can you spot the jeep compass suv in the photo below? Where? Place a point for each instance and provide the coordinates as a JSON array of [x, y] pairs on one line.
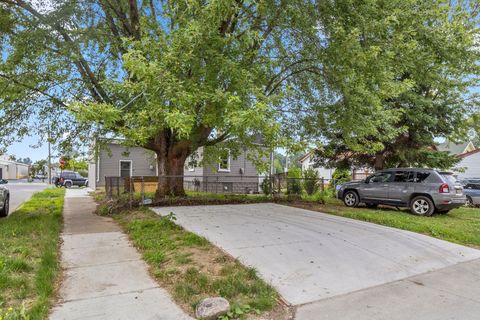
[[424, 191]]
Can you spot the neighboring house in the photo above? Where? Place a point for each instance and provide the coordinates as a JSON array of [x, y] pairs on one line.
[[229, 175], [470, 163], [307, 163], [13, 170], [455, 148], [469, 155]]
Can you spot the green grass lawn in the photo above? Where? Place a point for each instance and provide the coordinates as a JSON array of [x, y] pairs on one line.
[[191, 268], [29, 262], [461, 225]]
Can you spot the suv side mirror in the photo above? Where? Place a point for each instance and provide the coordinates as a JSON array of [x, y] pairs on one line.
[[3, 181]]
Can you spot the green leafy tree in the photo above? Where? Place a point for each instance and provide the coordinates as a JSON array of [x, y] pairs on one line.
[[311, 181], [294, 182], [398, 75], [341, 176], [39, 168], [170, 76]]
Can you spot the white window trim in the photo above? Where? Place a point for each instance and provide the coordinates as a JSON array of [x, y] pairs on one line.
[[228, 169], [120, 167]]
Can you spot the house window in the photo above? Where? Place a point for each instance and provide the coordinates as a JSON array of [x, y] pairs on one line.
[[125, 168], [224, 163]]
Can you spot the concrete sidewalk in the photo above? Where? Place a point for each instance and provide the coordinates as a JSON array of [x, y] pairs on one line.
[[105, 277]]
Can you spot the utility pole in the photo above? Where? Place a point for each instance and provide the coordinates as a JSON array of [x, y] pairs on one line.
[[286, 162], [49, 155]]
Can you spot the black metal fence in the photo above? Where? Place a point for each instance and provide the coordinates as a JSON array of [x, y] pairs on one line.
[[145, 186]]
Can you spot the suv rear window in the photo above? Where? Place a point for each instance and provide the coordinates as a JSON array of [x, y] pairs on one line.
[[450, 178]]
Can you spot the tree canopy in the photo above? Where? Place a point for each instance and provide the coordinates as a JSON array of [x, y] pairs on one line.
[[375, 81], [404, 77]]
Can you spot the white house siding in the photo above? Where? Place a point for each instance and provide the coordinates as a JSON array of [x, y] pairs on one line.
[[307, 163], [12, 170], [471, 163]]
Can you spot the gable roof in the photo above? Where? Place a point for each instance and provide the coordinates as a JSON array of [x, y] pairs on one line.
[[456, 148], [305, 157], [467, 154]]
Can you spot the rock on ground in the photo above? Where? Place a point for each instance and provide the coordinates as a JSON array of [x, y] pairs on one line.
[[212, 308]]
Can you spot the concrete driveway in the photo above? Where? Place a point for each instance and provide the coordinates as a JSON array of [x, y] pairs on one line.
[[313, 258], [22, 191]]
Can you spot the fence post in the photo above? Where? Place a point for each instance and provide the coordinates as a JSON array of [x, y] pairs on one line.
[[130, 191], [142, 192], [118, 187], [323, 184], [216, 186]]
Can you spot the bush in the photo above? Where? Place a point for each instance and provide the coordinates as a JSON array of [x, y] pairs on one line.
[[310, 182], [266, 186], [294, 183], [341, 175], [83, 173]]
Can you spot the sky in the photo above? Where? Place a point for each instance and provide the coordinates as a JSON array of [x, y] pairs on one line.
[[24, 149]]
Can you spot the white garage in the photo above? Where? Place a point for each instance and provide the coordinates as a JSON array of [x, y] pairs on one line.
[[11, 170]]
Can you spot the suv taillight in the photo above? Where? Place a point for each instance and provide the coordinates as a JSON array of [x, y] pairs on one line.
[[444, 188]]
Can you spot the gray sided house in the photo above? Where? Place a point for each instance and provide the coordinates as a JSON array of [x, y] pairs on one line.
[[235, 175]]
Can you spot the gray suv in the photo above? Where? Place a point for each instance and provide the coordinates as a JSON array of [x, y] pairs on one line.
[[424, 191]]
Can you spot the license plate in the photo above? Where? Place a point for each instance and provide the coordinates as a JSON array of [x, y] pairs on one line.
[[459, 191]]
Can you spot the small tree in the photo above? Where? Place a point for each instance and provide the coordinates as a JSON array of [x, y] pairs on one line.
[[341, 175], [294, 183], [266, 186], [310, 182]]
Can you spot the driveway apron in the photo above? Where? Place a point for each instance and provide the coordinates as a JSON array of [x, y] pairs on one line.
[[310, 257]]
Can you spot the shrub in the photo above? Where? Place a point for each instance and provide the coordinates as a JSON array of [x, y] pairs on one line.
[[266, 186], [294, 183], [341, 176], [310, 182]]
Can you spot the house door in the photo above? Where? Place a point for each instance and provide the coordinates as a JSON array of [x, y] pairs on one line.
[[125, 168]]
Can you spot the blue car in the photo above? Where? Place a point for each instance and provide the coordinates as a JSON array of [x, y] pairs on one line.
[[471, 188]]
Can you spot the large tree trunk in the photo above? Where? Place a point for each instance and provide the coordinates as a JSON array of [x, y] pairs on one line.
[[172, 153], [379, 162], [170, 173]]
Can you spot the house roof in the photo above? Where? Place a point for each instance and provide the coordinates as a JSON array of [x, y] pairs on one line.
[[467, 154], [455, 148], [305, 156]]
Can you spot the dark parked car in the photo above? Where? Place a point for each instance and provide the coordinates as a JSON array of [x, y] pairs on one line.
[[471, 187], [68, 179], [424, 191], [4, 198]]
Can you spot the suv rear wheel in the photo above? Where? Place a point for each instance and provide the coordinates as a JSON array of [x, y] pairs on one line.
[[422, 206], [351, 199]]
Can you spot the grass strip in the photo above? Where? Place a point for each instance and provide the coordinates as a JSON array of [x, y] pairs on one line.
[[29, 260]]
